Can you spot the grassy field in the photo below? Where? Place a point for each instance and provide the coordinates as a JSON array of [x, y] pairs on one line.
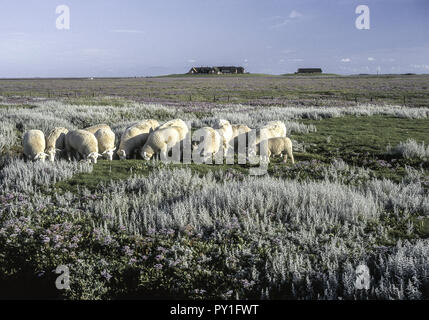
[[411, 90], [357, 194]]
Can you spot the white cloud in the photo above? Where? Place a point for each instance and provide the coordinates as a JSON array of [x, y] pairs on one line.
[[420, 66], [346, 60], [127, 31], [295, 14], [371, 59], [192, 60], [296, 60]]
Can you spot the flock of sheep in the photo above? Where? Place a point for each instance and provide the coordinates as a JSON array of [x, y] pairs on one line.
[[148, 138]]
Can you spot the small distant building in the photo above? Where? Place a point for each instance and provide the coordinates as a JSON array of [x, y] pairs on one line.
[[216, 70], [201, 70], [308, 70]]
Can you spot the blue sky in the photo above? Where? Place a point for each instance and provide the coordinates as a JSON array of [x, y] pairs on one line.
[[141, 38]]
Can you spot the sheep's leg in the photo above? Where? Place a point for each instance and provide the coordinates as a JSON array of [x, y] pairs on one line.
[[163, 153], [285, 158], [289, 153]]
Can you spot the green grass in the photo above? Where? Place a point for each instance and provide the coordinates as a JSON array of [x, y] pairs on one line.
[[358, 135], [258, 89], [105, 171], [422, 226]]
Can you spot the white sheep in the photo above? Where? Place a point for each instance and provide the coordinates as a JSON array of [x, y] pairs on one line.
[[83, 144], [106, 142], [160, 141], [273, 129], [238, 129], [135, 136], [277, 146], [177, 123], [34, 145], [208, 141], [224, 128], [97, 127], [278, 127], [55, 142]]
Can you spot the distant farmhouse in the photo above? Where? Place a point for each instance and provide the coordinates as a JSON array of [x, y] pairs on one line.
[[308, 70], [216, 70]]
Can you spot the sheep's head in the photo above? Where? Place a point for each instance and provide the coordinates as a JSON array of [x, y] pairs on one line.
[[41, 156], [146, 153], [93, 157], [51, 152], [109, 154], [222, 123], [147, 156], [122, 154]]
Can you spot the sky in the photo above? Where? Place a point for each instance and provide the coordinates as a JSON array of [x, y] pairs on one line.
[[130, 38]]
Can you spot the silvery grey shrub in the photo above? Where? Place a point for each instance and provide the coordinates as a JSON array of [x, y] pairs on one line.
[[314, 233], [410, 149], [7, 135], [20, 176]]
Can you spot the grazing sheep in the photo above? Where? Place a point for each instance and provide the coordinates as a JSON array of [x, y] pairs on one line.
[[83, 144], [161, 140], [176, 123], [106, 142], [238, 129], [55, 142], [225, 130], [278, 127], [135, 136], [273, 129], [34, 145], [209, 141], [97, 127], [278, 146]]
